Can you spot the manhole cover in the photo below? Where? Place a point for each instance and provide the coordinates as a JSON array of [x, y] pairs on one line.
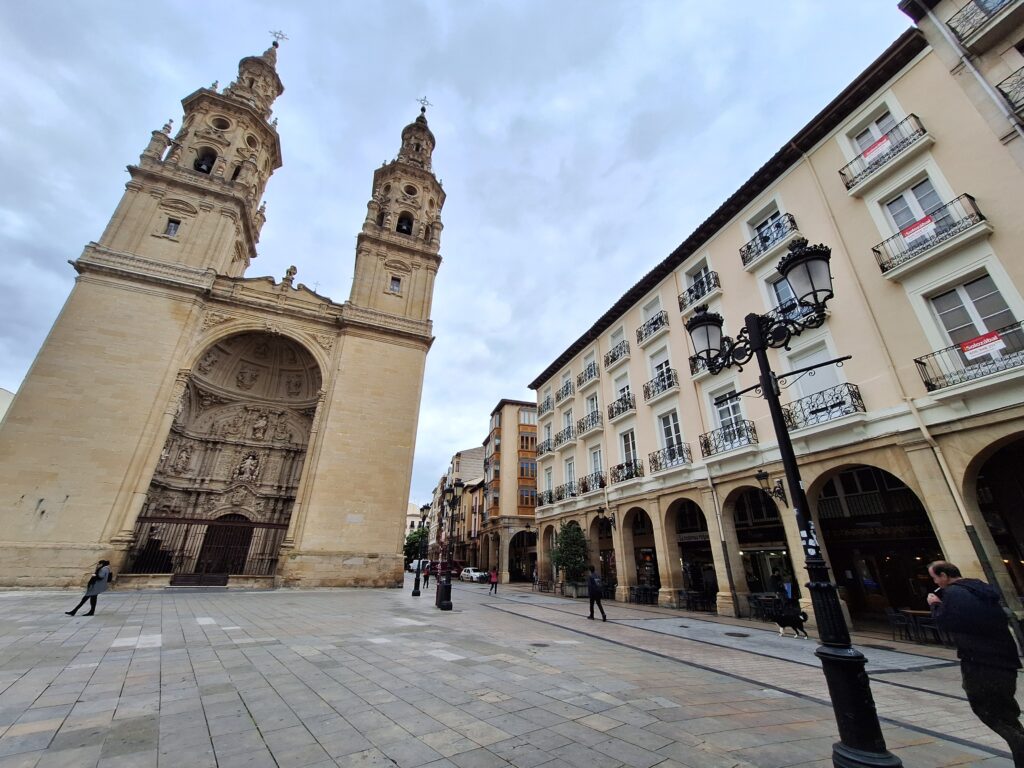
[[879, 647], [737, 634], [539, 645]]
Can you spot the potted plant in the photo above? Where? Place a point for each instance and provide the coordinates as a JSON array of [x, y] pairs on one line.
[[570, 556]]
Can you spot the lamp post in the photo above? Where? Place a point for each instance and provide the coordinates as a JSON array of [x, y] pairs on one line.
[[424, 510], [452, 496], [806, 268]]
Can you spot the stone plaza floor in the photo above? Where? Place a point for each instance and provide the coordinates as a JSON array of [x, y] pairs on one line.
[[353, 677]]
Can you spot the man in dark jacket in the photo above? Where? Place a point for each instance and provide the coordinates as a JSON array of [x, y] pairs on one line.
[[595, 591], [969, 610]]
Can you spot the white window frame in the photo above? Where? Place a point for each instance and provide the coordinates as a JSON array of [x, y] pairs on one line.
[[631, 434], [651, 308], [663, 439]]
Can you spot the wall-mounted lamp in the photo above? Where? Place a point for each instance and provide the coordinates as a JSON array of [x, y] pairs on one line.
[[603, 513], [775, 491]]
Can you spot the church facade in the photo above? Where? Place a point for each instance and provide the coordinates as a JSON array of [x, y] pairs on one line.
[[234, 430]]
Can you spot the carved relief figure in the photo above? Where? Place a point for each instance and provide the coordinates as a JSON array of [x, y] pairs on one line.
[[183, 460], [233, 427], [208, 361], [281, 432], [249, 467], [262, 350], [246, 378], [259, 427], [293, 384]]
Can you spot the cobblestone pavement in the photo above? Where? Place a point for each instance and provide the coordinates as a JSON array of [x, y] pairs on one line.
[[379, 678]]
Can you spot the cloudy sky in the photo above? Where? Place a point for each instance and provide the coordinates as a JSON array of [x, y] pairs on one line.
[[579, 142]]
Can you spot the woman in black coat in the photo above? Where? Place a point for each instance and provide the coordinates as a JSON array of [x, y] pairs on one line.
[[98, 582]]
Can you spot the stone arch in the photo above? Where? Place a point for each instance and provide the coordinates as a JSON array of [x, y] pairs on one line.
[[689, 538], [237, 445], [231, 327], [600, 534], [545, 546], [878, 537], [639, 549], [522, 556]]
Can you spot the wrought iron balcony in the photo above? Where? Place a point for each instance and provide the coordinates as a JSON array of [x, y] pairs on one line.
[[672, 456], [545, 446], [700, 288], [940, 224], [591, 421], [619, 352], [623, 405], [698, 365], [663, 382], [651, 326], [727, 438], [565, 436], [546, 406], [973, 17], [768, 238], [791, 310], [595, 481], [829, 404], [962, 362], [1013, 89], [588, 374], [626, 471], [565, 491], [903, 135], [564, 391], [544, 498]]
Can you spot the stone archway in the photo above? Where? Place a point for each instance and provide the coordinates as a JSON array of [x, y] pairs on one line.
[[231, 462], [686, 527], [879, 539], [602, 549], [522, 556], [762, 545], [998, 489], [640, 549], [545, 546]]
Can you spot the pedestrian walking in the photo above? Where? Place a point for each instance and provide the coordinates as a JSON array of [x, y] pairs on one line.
[[98, 582], [493, 578], [595, 591], [969, 610], [426, 575]]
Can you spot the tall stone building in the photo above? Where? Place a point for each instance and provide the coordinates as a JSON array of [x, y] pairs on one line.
[[191, 424]]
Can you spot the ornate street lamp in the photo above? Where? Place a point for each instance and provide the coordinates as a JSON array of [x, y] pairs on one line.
[[424, 511], [774, 491], [806, 268], [452, 496]]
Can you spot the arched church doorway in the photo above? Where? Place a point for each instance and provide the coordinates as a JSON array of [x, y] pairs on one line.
[[879, 541], [1000, 490], [762, 544], [222, 492], [686, 524], [522, 556]]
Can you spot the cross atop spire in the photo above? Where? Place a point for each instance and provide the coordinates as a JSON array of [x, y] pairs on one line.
[[278, 35]]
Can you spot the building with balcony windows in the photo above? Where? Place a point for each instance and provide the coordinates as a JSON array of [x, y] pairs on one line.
[[913, 177], [507, 538]]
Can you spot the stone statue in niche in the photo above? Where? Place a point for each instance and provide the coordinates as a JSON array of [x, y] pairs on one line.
[[293, 384], [246, 378], [208, 361], [249, 467], [183, 460], [233, 426], [262, 350], [259, 427], [281, 432], [164, 454]]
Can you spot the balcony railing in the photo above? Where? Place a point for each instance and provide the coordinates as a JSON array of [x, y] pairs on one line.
[[545, 497], [663, 382], [672, 456], [791, 310], [1013, 89], [973, 16], [595, 481], [545, 446], [770, 236], [829, 404], [565, 490], [564, 436], [589, 373], [698, 364], [626, 471], [999, 351], [700, 288], [651, 326], [902, 135], [546, 406], [726, 438], [591, 421], [564, 391], [939, 225], [616, 353], [622, 405]]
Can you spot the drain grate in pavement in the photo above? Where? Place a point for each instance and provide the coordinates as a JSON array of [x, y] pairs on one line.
[[878, 647], [737, 634], [539, 645]]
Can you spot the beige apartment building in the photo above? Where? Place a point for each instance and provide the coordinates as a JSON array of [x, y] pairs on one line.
[[909, 451], [458, 525], [508, 539], [194, 425]]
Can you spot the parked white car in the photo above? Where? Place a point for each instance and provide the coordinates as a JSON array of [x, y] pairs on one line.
[[473, 574]]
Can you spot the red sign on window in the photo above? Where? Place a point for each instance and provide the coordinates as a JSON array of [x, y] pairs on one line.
[[982, 345]]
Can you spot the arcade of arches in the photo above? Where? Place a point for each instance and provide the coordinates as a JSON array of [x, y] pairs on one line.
[[877, 535], [221, 497]]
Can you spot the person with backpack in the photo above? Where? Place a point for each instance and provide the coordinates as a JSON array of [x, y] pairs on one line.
[[98, 582], [595, 591]]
